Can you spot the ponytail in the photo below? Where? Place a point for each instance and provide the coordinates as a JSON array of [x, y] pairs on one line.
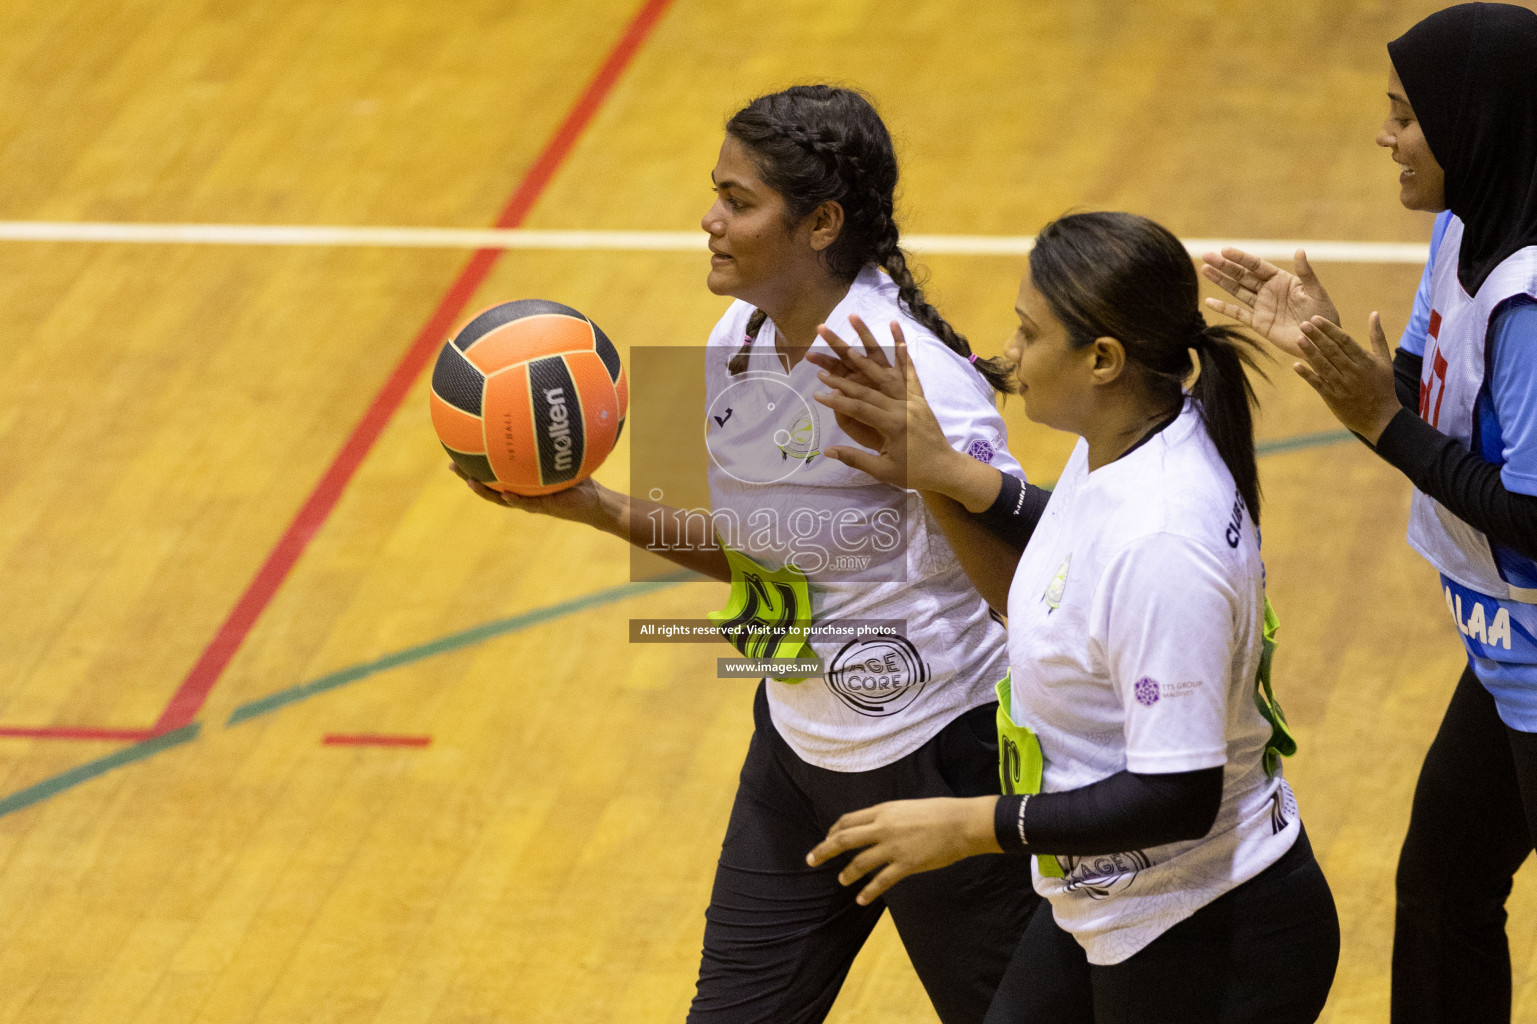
[[1122, 276], [1225, 397]]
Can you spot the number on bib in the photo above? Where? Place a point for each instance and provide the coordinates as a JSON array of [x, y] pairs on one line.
[[1434, 386], [769, 614]]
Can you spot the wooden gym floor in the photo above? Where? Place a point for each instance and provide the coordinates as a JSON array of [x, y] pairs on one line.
[[294, 728]]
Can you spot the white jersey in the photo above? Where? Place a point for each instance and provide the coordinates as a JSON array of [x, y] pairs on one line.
[[1452, 376], [1135, 632], [870, 550]]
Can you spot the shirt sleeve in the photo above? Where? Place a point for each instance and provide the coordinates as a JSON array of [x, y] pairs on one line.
[[1166, 617], [1466, 484], [1125, 811], [1513, 387], [1406, 378], [1414, 335]]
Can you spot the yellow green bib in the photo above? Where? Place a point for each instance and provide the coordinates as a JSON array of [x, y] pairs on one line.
[[1282, 742], [1020, 764], [769, 614]]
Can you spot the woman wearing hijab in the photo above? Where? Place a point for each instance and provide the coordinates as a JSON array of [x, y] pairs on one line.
[[1456, 411]]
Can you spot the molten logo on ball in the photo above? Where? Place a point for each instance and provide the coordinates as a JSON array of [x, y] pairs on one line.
[[547, 379], [560, 430]]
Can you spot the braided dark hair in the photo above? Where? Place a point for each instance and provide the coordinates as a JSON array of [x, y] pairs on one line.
[[818, 143], [1122, 276]]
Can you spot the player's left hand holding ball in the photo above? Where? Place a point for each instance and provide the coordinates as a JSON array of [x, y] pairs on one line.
[[904, 837], [580, 503]]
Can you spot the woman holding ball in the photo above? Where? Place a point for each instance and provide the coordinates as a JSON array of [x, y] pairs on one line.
[[1138, 724], [801, 234], [1456, 411]]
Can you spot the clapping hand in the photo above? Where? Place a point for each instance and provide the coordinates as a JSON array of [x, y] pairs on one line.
[[1357, 385], [885, 407], [848, 369], [1274, 303]]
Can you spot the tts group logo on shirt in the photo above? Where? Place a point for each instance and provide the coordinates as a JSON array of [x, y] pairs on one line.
[[982, 450], [878, 675]]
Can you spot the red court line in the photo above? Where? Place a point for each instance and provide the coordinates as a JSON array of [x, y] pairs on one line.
[[195, 688], [369, 739], [70, 732]]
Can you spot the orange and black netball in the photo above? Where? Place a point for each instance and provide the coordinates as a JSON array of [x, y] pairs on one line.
[[529, 397]]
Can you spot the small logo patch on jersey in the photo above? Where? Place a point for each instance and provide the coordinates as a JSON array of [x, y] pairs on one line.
[[982, 450], [799, 442], [1146, 691], [1283, 808], [1058, 585]]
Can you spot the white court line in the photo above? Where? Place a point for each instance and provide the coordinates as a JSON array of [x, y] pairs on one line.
[[627, 241]]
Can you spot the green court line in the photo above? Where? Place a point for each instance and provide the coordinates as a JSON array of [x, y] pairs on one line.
[[501, 627], [1291, 444], [91, 769], [443, 645]]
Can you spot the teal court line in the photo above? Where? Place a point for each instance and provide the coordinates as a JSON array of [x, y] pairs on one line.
[[145, 749], [91, 769], [444, 645], [1292, 444], [501, 627]]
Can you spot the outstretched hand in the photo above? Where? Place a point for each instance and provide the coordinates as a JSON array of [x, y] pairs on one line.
[[847, 369], [578, 503], [885, 406], [1271, 301], [1357, 385], [904, 837]]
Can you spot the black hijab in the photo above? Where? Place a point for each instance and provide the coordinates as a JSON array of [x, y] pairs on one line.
[[1470, 73]]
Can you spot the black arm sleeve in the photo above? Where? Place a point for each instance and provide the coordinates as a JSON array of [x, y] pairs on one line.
[[1127, 811], [1466, 484], [1406, 378], [1013, 515]]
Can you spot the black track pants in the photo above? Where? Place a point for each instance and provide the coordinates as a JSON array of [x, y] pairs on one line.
[[780, 936], [1475, 813], [1263, 953]]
